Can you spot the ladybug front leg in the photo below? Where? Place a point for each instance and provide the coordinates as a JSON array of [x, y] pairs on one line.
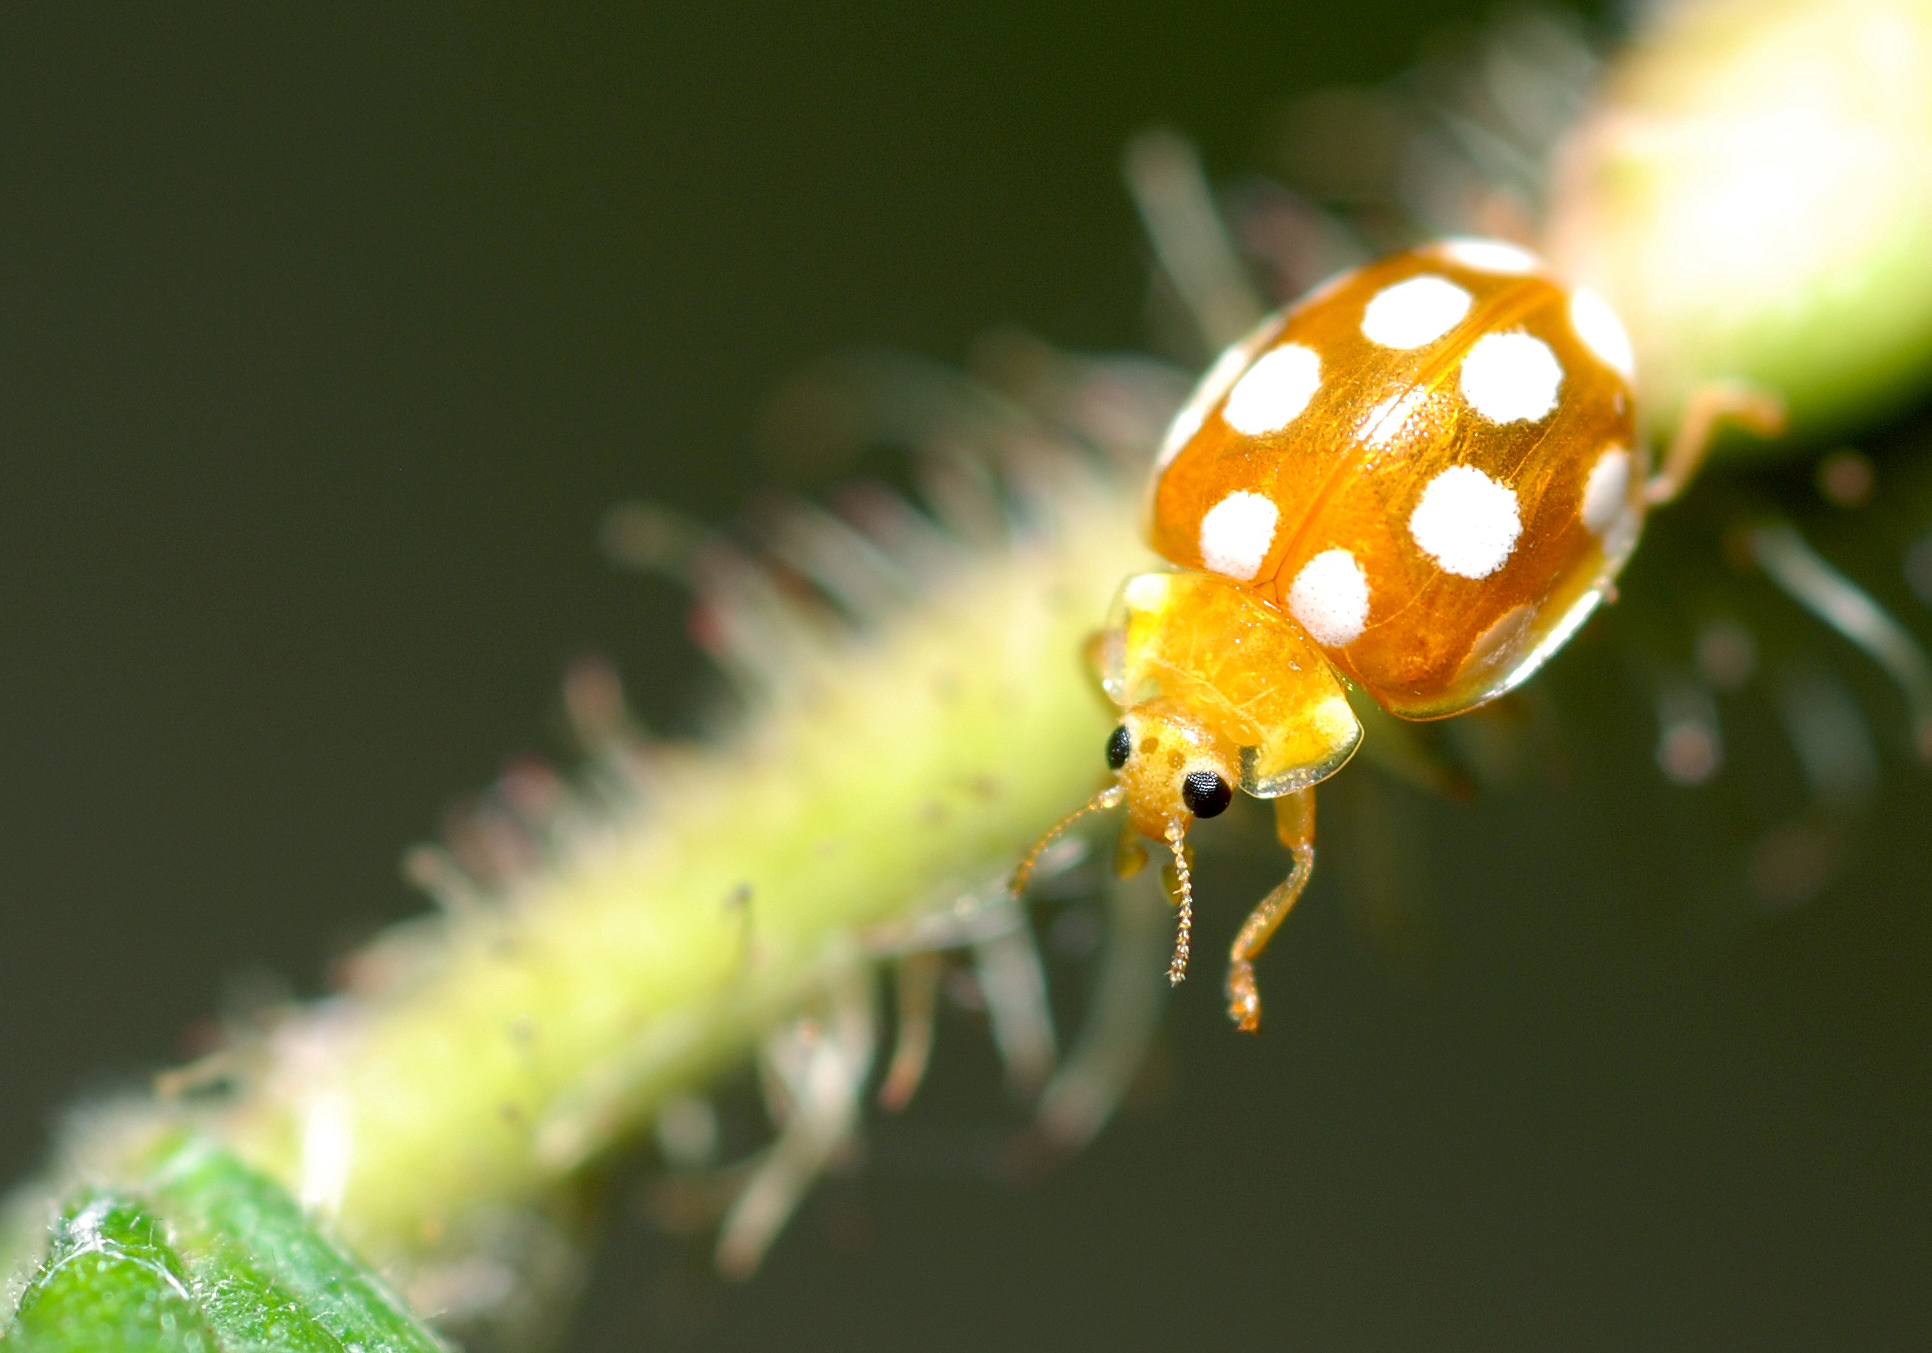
[[1710, 406], [1295, 824]]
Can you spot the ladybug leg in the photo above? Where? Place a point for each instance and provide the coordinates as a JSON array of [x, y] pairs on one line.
[[1295, 824], [1708, 409], [1130, 856]]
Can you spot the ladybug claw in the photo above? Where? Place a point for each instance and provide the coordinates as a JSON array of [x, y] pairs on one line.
[[1244, 1000]]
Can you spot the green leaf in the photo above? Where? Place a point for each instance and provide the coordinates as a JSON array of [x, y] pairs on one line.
[[210, 1258], [263, 1274], [110, 1281]]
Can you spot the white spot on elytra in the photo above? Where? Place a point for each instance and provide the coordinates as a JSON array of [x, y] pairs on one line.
[[1330, 597], [1237, 533], [1498, 256], [1274, 391], [1605, 491], [1414, 312], [1466, 522], [1207, 393], [1601, 331], [1511, 377]]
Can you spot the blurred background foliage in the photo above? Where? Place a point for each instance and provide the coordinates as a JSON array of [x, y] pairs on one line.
[[326, 336]]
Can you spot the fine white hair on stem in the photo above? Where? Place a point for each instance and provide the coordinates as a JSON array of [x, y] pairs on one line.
[[1176, 205], [1014, 984], [816, 1067], [1124, 1010], [915, 981], [1807, 578]]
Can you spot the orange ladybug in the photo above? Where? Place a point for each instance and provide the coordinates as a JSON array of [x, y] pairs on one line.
[[1419, 481]]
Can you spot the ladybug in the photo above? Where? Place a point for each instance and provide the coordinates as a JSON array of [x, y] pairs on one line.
[[1418, 482]]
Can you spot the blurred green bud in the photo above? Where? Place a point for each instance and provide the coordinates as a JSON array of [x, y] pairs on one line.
[[1753, 191]]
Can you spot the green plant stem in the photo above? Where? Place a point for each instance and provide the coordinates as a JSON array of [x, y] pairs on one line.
[[894, 774]]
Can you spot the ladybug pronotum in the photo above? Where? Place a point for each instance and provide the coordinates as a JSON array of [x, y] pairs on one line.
[[1420, 481]]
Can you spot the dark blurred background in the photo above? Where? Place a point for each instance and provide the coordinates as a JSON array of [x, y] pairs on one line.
[[328, 333]]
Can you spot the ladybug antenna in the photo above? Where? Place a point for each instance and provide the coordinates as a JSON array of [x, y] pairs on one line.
[[1109, 797], [1184, 884]]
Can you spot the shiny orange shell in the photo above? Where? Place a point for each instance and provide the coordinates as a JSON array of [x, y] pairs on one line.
[[1432, 464]]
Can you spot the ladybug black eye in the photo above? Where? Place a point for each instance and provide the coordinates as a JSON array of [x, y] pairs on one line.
[[1119, 744], [1206, 794]]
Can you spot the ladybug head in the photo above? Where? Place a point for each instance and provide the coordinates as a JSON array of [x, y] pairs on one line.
[[1171, 768]]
